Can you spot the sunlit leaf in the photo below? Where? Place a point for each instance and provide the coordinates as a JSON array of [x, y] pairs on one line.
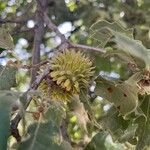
[[123, 95], [105, 32], [77, 109], [133, 47]]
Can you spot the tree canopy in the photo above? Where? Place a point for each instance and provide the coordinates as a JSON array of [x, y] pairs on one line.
[[75, 74]]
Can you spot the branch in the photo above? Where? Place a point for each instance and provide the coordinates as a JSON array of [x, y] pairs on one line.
[[54, 28], [64, 42], [85, 47], [4, 21], [39, 30], [35, 60]]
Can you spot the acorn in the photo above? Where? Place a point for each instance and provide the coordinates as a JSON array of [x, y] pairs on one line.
[[71, 72]]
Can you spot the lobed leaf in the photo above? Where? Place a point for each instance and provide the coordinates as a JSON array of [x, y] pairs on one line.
[[100, 31], [105, 32], [124, 96]]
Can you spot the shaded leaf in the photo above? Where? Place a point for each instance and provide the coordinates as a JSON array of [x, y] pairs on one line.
[[85, 99], [6, 41], [143, 131], [100, 63], [124, 58], [98, 141], [7, 77], [128, 134], [43, 136], [101, 141], [6, 100], [113, 123], [55, 113]]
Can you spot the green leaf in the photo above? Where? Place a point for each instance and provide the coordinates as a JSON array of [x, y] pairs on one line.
[[124, 58], [6, 41], [128, 134], [143, 131], [124, 96], [55, 113], [43, 136], [100, 31], [102, 141], [133, 47], [100, 63], [98, 141], [113, 123], [6, 100], [104, 31], [7, 77]]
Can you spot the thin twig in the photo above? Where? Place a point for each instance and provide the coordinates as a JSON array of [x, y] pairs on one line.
[[54, 28], [64, 42], [32, 66], [85, 47]]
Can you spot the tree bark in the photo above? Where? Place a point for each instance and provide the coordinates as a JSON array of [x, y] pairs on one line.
[[39, 30]]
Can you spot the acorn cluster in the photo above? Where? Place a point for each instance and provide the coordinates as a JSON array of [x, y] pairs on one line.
[[71, 72]]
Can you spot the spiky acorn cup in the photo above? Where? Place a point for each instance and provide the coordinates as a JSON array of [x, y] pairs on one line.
[[71, 72]]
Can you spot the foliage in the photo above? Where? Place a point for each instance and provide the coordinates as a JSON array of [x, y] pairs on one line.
[[50, 138], [7, 77], [88, 100], [7, 98]]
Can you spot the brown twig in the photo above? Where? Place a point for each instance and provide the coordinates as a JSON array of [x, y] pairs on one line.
[[85, 47], [54, 28], [33, 66], [64, 42]]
